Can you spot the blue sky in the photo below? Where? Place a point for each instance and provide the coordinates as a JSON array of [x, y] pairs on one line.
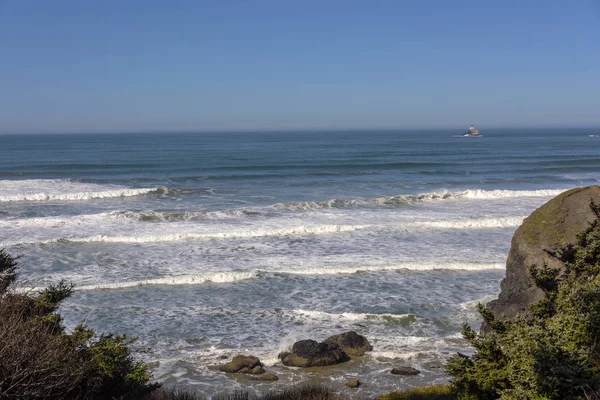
[[129, 66]]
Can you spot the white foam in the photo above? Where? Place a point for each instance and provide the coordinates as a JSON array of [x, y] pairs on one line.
[[476, 194], [299, 230], [414, 266], [235, 276], [217, 277], [346, 316], [63, 190], [502, 222], [500, 194]]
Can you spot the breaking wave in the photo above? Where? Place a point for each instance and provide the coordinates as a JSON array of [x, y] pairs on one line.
[[64, 190], [502, 222], [78, 196], [478, 194], [300, 230], [235, 276]]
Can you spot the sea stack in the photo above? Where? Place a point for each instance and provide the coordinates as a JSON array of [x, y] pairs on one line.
[[550, 227]]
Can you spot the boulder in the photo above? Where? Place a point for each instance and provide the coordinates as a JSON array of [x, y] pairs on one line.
[[266, 377], [257, 370], [309, 353], [241, 364], [405, 371], [550, 227], [353, 383], [351, 342]]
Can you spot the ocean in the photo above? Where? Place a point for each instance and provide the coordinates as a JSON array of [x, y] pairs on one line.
[[209, 245]]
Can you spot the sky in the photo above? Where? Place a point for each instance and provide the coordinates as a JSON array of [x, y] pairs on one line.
[[76, 66]]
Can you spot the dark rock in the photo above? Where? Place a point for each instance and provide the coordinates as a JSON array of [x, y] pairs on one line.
[[309, 353], [257, 370], [240, 363], [353, 383], [553, 225], [405, 371], [223, 357], [266, 377], [351, 342]]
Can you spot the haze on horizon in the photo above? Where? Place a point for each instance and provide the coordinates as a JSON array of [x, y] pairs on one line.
[[71, 66]]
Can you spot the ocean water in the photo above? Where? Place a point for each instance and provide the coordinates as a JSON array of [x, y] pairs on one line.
[[209, 245]]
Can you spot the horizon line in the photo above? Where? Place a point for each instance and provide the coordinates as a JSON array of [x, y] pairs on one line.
[[293, 130]]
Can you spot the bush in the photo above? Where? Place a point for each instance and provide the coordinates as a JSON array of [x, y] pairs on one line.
[[553, 353], [39, 360]]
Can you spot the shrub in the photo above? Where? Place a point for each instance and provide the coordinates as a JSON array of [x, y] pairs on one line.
[[553, 353], [39, 360]]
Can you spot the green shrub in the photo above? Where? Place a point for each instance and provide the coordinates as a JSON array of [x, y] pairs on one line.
[[554, 352], [39, 360]]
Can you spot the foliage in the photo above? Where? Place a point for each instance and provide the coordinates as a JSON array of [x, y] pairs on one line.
[[39, 360], [8, 271], [436, 392], [554, 352]]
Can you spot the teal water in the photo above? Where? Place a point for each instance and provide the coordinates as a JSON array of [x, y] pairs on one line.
[[206, 245]]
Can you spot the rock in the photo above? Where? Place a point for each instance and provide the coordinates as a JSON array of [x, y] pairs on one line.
[[309, 353], [240, 364], [257, 370], [353, 383], [405, 371], [553, 225], [266, 377], [351, 342]]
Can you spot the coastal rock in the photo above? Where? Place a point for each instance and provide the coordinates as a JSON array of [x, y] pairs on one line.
[[309, 353], [257, 370], [553, 225], [351, 342], [266, 377], [240, 364], [353, 383], [405, 371]]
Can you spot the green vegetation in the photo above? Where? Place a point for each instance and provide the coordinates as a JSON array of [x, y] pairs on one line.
[[436, 392], [39, 360], [553, 353]]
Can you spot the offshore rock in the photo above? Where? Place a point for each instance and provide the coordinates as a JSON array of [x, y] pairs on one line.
[[309, 353], [351, 342], [353, 383], [241, 364], [405, 371], [550, 227], [266, 377]]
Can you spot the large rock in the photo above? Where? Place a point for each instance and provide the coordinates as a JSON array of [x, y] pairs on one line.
[[309, 353], [351, 342], [241, 364], [405, 371], [550, 227]]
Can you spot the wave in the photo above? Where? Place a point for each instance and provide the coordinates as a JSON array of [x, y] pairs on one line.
[[235, 276], [409, 199], [64, 190], [96, 219], [300, 230], [347, 315], [77, 196], [175, 216], [502, 222]]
